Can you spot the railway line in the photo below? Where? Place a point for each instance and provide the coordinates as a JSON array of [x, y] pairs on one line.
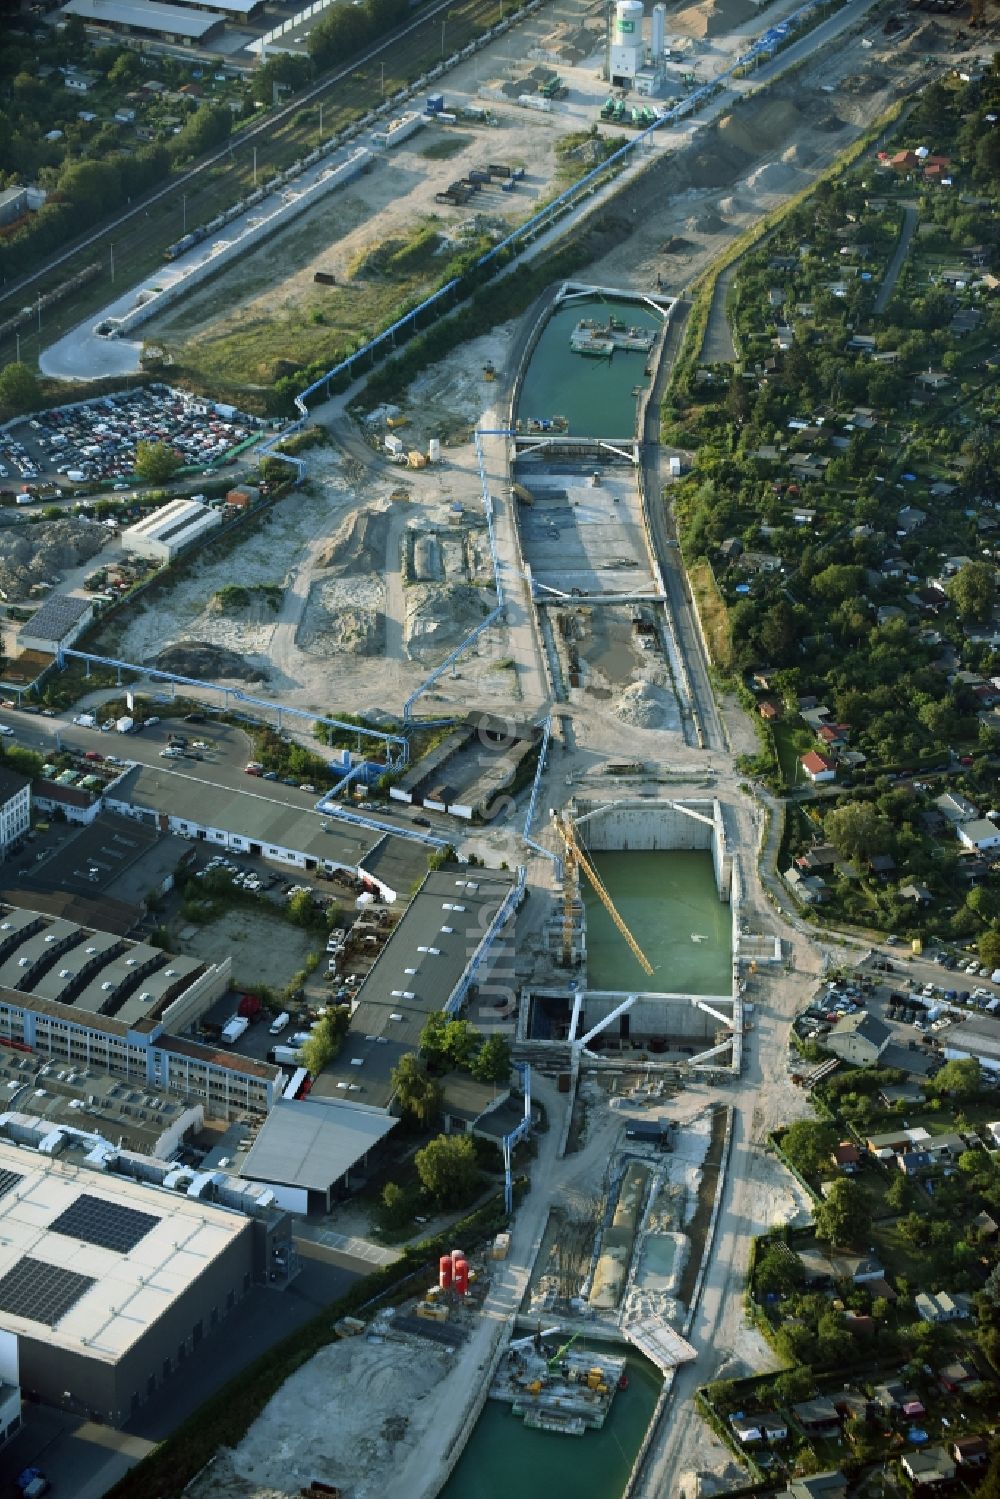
[[139, 236]]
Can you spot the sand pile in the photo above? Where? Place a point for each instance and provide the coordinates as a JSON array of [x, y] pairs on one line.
[[731, 206], [646, 705], [32, 553], [708, 222], [772, 177], [438, 616], [359, 545], [344, 616], [712, 17], [798, 155]]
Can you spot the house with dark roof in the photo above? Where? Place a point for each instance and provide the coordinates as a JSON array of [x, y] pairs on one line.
[[928, 1468], [847, 1157], [957, 1376], [970, 1452], [818, 1416], [859, 1039], [829, 1485]]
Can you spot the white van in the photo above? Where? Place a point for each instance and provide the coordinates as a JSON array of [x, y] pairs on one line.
[[280, 1023]]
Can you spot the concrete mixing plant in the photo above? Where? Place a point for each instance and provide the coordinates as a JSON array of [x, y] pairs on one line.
[[626, 52]]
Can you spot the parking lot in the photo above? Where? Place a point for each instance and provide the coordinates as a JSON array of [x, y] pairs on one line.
[[97, 440]]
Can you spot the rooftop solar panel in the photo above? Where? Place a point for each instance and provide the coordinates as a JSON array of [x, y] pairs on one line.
[[41, 1292], [8, 1181], [106, 1224]]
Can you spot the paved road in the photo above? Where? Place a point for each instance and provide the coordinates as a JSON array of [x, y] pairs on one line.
[[910, 216]]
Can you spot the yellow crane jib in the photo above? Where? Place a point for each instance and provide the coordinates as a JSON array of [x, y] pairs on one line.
[[574, 860]]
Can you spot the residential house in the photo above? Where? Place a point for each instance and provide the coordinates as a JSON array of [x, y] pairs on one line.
[[915, 1162], [817, 1417], [956, 808], [946, 1147], [854, 1405], [818, 767], [903, 1093], [917, 893], [939, 1306], [957, 1376], [978, 835], [934, 380], [809, 888], [985, 1226], [894, 1142], [928, 1468], [860, 1325], [833, 735], [861, 343], [731, 548], [80, 81], [859, 1039], [822, 856], [910, 518], [882, 866], [847, 1157], [829, 1485], [903, 162], [769, 709], [761, 562], [766, 1427], [821, 1268], [970, 1452]]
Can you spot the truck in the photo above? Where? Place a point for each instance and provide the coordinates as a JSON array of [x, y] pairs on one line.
[[285, 1056], [280, 1023], [32, 1483], [86, 720], [233, 1030], [250, 1006], [124, 725]]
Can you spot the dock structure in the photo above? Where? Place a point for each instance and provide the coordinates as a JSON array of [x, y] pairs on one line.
[[568, 1392], [600, 340]]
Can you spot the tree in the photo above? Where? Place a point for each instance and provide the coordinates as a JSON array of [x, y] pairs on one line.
[[808, 1144], [899, 1194], [448, 1043], [960, 1079], [989, 948], [19, 390], [843, 1217], [973, 591], [448, 1169], [418, 1095], [778, 1272], [491, 1064], [857, 830], [156, 462], [324, 1042]]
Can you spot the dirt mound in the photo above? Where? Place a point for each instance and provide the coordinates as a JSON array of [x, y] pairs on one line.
[[439, 616], [772, 177], [712, 17], [676, 245], [345, 616], [708, 222], [197, 658], [32, 553], [646, 705], [359, 545], [768, 123], [798, 155]]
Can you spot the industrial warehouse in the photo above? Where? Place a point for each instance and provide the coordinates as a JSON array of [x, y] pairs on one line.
[[110, 1283]]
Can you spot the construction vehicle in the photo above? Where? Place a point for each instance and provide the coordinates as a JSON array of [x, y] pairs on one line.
[[561, 1353], [489, 372], [575, 859]]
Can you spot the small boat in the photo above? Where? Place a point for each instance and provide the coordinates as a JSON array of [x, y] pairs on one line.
[[623, 1380]]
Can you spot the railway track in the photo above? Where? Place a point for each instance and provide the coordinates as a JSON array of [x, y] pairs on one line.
[[140, 235]]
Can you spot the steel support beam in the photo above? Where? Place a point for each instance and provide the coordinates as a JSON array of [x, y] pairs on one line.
[[602, 1025]]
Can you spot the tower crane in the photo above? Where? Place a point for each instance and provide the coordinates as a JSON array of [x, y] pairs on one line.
[[575, 859]]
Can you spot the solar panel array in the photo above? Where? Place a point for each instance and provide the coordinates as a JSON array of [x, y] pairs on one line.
[[8, 1181], [41, 1292], [106, 1224]]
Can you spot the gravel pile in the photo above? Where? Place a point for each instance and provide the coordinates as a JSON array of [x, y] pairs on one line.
[[36, 552]]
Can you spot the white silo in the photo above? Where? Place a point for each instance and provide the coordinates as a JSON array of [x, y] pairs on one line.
[[658, 37], [627, 53]]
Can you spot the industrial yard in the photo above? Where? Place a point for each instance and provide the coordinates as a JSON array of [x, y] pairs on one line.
[[623, 937]]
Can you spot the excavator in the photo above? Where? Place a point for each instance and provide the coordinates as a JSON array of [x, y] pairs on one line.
[[575, 860]]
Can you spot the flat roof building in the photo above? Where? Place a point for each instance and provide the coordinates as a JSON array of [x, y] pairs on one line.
[[424, 967], [60, 620], [170, 530], [305, 1149], [109, 1285], [170, 23], [15, 808], [270, 822]]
